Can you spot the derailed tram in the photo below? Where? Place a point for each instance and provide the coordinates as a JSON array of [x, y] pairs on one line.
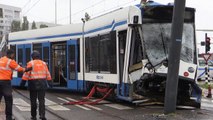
[[126, 49]]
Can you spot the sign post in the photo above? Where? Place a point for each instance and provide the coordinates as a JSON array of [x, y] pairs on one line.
[[206, 58]]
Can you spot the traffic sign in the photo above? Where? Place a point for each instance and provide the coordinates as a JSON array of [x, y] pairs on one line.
[[206, 56]]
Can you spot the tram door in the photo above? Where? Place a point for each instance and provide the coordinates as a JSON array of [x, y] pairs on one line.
[[23, 57], [122, 49], [72, 65], [58, 55], [46, 54]]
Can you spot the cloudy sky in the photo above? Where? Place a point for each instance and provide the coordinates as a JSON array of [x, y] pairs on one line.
[[44, 10]]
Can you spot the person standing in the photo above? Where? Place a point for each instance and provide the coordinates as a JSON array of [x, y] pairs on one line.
[[7, 65], [37, 78]]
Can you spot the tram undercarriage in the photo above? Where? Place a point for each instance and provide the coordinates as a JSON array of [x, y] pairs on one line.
[[153, 86]]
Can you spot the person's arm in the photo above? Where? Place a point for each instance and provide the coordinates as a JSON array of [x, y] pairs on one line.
[[15, 66], [25, 76]]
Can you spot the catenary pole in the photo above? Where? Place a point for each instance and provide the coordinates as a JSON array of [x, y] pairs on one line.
[[70, 11], [55, 11], [174, 57]]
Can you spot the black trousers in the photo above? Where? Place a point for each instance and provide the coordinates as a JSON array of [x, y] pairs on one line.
[[40, 95], [6, 91]]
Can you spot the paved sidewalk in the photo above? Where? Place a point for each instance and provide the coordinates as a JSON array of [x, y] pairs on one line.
[[16, 113]]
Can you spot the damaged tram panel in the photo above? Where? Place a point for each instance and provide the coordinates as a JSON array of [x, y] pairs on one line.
[[148, 77]]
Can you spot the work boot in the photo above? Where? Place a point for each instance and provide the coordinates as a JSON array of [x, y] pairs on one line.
[[9, 118], [43, 118], [33, 118]]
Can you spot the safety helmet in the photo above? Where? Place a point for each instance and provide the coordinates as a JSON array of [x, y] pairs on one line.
[[35, 54]]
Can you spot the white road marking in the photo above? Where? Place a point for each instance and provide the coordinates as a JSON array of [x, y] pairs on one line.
[[90, 106], [118, 106], [102, 102], [204, 100], [54, 106], [207, 105], [82, 107], [21, 104]]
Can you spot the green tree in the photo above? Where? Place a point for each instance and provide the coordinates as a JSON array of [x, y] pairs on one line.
[[34, 25], [25, 24], [43, 26], [15, 26]]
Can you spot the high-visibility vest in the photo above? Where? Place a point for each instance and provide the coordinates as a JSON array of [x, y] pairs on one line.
[[39, 71], [6, 68]]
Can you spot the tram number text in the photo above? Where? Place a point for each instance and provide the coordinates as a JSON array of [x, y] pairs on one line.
[[99, 77]]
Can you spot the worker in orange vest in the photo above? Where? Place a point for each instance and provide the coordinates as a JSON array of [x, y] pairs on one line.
[[37, 78], [7, 65]]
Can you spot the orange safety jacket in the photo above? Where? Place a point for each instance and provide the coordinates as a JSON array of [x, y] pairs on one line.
[[39, 71], [7, 66]]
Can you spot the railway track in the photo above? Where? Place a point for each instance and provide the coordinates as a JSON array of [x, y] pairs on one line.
[[57, 117]]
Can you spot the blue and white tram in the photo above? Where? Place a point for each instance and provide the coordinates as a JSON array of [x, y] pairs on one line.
[[126, 49]]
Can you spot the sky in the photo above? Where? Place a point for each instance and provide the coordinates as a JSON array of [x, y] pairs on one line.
[[44, 11]]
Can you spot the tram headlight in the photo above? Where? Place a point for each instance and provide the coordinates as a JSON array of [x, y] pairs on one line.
[[191, 69]]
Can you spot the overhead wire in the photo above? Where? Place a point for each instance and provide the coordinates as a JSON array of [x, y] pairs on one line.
[[102, 12], [96, 14], [32, 7], [26, 4], [107, 10], [95, 4]]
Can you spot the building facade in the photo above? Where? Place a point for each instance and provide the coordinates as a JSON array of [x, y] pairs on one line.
[[7, 15]]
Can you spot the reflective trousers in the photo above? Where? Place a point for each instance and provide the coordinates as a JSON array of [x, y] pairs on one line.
[[6, 91], [40, 95]]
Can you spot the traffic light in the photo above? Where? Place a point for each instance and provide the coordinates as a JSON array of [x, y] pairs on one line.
[[208, 44]]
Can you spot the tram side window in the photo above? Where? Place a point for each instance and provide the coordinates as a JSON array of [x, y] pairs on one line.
[[101, 54], [28, 57], [78, 48], [137, 48], [46, 55], [13, 47], [92, 54], [38, 47]]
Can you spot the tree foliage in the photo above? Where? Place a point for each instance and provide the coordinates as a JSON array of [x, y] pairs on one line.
[[43, 26], [15, 26], [25, 24], [34, 25]]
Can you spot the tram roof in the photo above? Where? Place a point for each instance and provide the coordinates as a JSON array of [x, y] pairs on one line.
[[105, 21]]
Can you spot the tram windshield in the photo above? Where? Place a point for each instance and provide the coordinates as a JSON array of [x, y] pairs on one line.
[[157, 31], [157, 44]]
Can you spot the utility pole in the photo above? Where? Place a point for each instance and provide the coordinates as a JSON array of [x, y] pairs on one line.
[[70, 11], [174, 57], [55, 11]]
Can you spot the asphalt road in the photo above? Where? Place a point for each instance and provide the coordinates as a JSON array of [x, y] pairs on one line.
[[106, 110]]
